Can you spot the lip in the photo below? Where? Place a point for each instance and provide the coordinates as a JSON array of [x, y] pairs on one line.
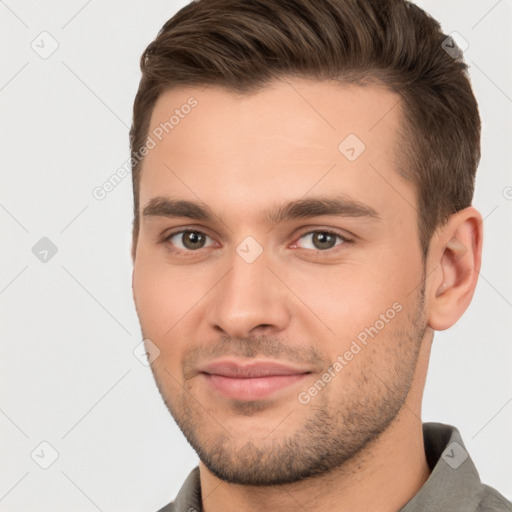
[[252, 369], [250, 381]]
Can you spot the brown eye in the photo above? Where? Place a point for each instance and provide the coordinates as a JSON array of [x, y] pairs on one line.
[[193, 240], [188, 240], [321, 240]]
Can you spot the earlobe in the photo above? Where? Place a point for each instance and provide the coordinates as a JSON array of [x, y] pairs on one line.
[[456, 251]]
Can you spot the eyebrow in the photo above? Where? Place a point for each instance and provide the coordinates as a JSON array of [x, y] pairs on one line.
[[299, 209]]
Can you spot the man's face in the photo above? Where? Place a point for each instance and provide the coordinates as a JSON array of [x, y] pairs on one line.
[[332, 292]]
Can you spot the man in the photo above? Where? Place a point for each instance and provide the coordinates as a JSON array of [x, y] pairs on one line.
[[303, 175]]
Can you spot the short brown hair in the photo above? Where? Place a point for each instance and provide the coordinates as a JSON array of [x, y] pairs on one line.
[[242, 45]]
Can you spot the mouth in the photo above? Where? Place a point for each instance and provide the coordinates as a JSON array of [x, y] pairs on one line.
[[250, 381]]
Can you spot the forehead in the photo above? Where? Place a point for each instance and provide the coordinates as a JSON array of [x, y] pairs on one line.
[[287, 139]]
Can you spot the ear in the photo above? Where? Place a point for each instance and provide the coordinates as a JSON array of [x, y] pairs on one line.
[[455, 255], [135, 238], [133, 250]]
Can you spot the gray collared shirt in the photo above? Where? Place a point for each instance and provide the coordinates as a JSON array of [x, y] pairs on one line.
[[453, 485]]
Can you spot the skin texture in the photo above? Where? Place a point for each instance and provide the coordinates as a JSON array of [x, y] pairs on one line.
[[358, 441]]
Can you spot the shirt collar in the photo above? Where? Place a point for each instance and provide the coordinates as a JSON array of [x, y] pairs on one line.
[[454, 481]]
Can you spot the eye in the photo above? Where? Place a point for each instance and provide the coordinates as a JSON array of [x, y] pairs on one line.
[[321, 240], [188, 240]]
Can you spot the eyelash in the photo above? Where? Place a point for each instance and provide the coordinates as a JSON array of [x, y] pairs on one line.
[[344, 239]]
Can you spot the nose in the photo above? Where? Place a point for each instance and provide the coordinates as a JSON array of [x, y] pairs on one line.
[[249, 300]]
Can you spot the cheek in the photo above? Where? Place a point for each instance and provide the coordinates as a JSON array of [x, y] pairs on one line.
[[156, 296], [351, 296], [159, 304], [166, 295]]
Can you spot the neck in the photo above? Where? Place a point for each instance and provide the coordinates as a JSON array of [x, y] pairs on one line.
[[384, 476]]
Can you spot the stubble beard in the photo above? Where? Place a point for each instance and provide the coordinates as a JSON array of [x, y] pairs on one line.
[[336, 428]]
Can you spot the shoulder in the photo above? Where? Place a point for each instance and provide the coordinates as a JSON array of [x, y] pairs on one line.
[[172, 507], [168, 508], [189, 496], [492, 501]]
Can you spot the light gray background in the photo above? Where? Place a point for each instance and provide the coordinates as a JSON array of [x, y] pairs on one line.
[[69, 327]]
